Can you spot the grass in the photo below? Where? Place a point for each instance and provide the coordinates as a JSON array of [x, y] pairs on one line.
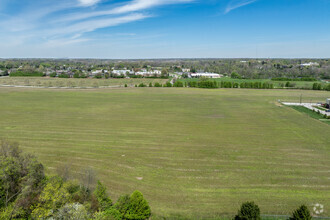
[[312, 114], [201, 153], [320, 108], [277, 84], [83, 83]]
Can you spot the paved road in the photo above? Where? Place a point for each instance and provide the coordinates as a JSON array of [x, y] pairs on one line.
[[309, 106]]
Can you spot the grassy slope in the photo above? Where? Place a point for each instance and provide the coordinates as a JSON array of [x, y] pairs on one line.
[[200, 152]]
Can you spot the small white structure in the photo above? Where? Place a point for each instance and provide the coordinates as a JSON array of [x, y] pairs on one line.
[[309, 64], [121, 72], [328, 101], [95, 72], [185, 70], [207, 75]]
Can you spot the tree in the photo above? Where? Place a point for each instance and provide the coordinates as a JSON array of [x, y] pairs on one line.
[[302, 213], [21, 179], [102, 197], [248, 211], [72, 211], [138, 208], [235, 75], [54, 196]]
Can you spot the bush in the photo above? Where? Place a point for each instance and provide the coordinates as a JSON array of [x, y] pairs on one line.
[[52, 75], [125, 85], [63, 75], [102, 197], [142, 85], [157, 84], [248, 211], [150, 84], [207, 84], [138, 208], [178, 84], [72, 211], [26, 74], [302, 213], [168, 84], [98, 76]]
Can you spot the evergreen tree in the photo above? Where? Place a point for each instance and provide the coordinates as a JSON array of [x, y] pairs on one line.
[[302, 213], [248, 211]]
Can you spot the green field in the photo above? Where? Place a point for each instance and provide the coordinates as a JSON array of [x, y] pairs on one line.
[[72, 82], [193, 153]]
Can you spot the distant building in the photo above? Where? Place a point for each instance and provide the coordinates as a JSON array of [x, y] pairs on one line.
[[207, 75], [122, 72], [185, 70], [310, 64], [328, 101], [95, 72], [146, 73]]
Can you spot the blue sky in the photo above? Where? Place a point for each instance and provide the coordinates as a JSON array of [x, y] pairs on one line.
[[164, 28]]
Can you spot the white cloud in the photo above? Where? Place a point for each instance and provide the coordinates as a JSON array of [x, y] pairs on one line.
[[88, 2], [132, 6], [92, 25], [234, 4]]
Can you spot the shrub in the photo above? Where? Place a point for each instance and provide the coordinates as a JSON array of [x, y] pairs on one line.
[[207, 84], [63, 75], [125, 85], [110, 214], [150, 84], [27, 74], [102, 197], [302, 213], [98, 76], [138, 208], [72, 211], [178, 84], [168, 84], [142, 85], [157, 84], [248, 211], [52, 75]]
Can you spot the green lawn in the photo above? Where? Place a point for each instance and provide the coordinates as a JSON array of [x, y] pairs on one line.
[[200, 153]]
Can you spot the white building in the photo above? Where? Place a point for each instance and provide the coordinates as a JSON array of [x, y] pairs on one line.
[[207, 75], [149, 73], [328, 101], [309, 64], [185, 70], [95, 72], [122, 72]]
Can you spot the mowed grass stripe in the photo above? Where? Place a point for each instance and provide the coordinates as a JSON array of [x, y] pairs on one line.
[[199, 152]]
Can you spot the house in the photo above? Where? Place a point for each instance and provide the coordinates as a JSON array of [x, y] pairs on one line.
[[185, 70], [122, 72], [207, 75]]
